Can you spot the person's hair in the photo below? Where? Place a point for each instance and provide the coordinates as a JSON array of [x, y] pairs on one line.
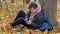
[[32, 5]]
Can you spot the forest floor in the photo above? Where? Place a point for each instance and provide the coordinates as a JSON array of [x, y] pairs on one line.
[[7, 16]]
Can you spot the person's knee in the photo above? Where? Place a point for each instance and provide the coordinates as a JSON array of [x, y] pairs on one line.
[[21, 13]]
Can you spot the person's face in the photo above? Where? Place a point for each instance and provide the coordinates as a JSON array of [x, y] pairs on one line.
[[34, 10]]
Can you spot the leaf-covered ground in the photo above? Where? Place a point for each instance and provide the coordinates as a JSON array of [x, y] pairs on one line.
[[8, 17]]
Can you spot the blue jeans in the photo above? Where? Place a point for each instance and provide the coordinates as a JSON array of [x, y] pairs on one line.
[[45, 26]]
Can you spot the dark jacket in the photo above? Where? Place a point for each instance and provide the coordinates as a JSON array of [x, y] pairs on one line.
[[37, 20]]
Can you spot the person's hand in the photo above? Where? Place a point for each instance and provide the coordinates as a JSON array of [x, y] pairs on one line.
[[26, 19], [28, 22]]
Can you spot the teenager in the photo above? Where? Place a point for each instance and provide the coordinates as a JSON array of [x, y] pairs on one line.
[[34, 19]]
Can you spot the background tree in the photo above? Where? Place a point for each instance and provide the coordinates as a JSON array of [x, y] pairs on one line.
[[50, 10], [27, 1], [0, 5], [7, 9], [12, 1], [35, 0]]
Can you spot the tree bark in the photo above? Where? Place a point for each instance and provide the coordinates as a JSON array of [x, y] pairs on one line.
[[0, 5], [50, 10], [12, 1], [7, 9]]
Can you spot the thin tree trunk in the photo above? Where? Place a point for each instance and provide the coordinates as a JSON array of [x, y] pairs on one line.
[[50, 10], [7, 8], [0, 5], [12, 1]]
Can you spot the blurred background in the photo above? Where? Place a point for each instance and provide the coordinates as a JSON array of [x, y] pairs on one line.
[[10, 8]]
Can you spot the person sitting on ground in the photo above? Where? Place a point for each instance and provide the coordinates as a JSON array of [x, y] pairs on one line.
[[34, 19]]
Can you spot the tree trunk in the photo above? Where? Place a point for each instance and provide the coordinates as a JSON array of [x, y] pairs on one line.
[[7, 9], [12, 1], [50, 10], [0, 5]]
